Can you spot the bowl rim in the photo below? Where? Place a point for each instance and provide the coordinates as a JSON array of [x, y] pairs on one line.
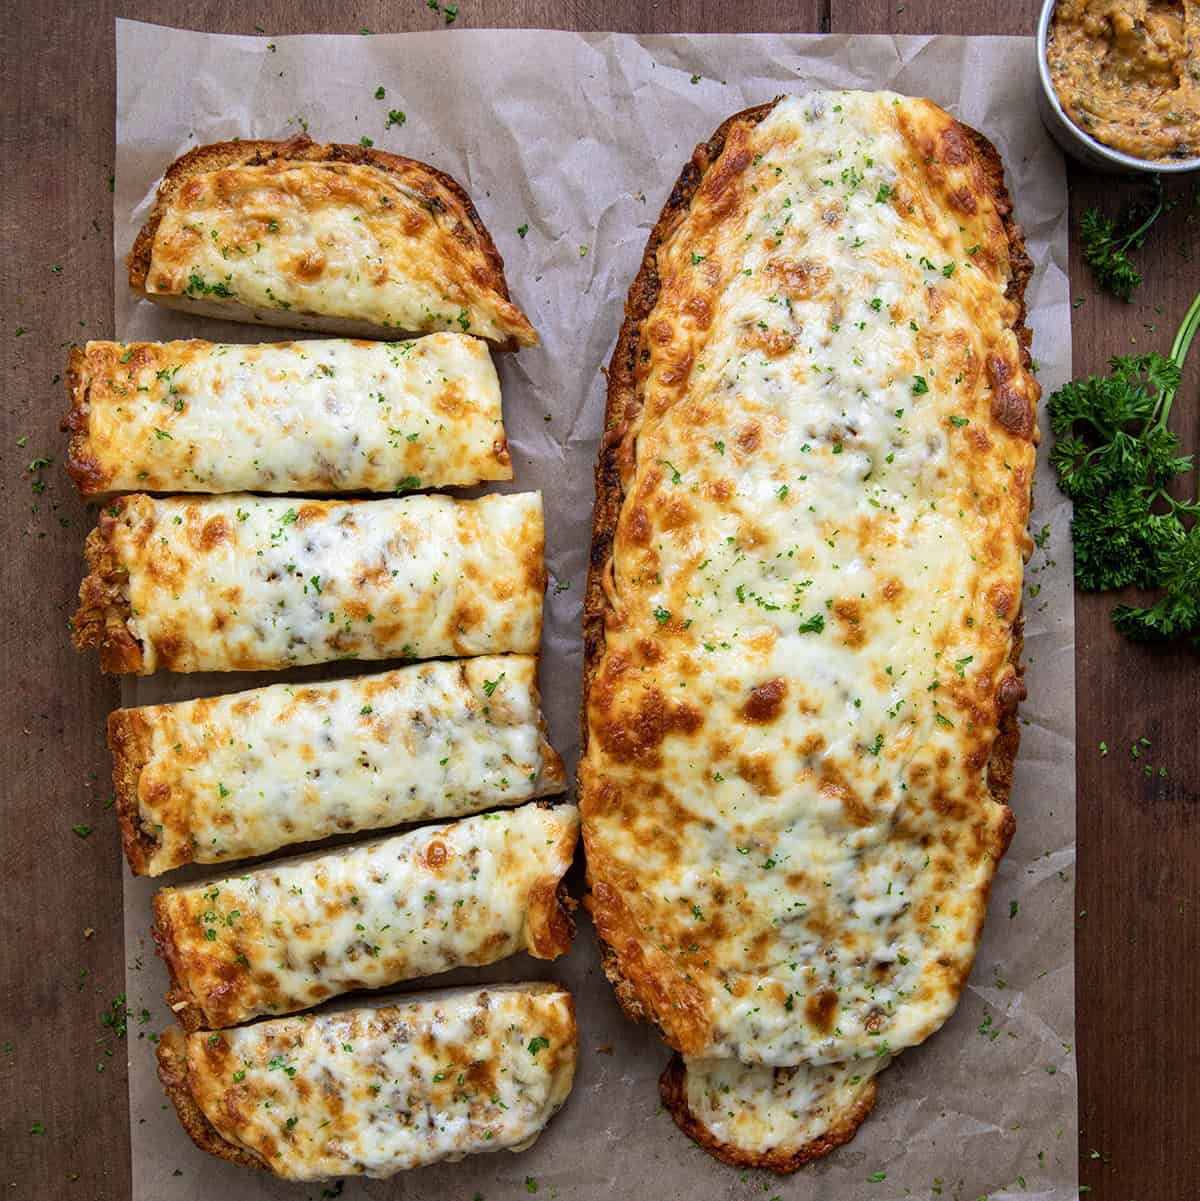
[[1117, 157]]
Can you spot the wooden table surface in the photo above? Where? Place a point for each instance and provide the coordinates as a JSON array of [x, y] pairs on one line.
[[64, 1130]]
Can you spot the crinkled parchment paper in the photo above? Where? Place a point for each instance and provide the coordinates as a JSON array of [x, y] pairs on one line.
[[579, 137]]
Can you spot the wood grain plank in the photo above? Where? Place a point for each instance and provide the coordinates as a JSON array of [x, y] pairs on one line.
[[1139, 834], [934, 16], [63, 1122]]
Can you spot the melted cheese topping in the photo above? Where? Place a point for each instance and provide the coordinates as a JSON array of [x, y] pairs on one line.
[[246, 583], [818, 562], [777, 1111], [299, 931], [321, 416], [227, 777], [342, 240], [373, 1091]]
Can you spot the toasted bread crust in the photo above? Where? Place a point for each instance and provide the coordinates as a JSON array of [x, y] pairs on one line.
[[672, 1089], [173, 1074], [470, 229], [622, 410], [104, 607], [129, 742], [179, 998], [82, 467]]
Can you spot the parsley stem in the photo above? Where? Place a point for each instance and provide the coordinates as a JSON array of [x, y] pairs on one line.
[[1179, 349], [1132, 239], [1184, 335]]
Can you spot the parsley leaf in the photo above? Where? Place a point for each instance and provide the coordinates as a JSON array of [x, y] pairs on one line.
[[1116, 458], [1107, 241]]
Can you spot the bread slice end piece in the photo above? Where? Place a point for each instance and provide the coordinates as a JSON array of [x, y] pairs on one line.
[[777, 1119]]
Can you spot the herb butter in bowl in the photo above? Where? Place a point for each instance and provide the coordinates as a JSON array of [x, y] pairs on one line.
[[1120, 82]]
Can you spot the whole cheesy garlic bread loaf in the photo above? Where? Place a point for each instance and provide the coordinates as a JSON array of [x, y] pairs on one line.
[[342, 239], [803, 617], [330, 415], [250, 583], [227, 777], [296, 932], [374, 1090]]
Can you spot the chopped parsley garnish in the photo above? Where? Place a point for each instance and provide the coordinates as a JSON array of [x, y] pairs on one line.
[[198, 286]]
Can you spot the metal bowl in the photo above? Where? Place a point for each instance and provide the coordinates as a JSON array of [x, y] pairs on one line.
[[1081, 146]]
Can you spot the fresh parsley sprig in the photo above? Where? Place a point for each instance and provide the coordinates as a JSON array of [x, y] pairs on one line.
[[1107, 242], [1116, 457]]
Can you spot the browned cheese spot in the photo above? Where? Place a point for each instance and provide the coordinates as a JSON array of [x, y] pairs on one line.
[[749, 437], [836, 787], [963, 199], [765, 701], [699, 308], [451, 399], [758, 771], [1000, 597], [651, 652], [215, 531], [677, 514], [799, 279], [820, 1009], [636, 738], [720, 490], [437, 855], [1010, 406], [414, 221], [850, 617], [309, 266]]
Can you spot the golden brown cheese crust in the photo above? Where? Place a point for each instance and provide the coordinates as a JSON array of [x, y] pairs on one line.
[[710, 184], [228, 777], [459, 252], [320, 416], [239, 582], [377, 1089], [298, 931]]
